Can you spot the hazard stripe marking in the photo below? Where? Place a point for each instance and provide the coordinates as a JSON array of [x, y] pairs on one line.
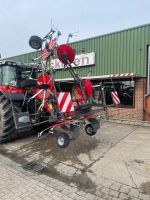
[[69, 107], [65, 102], [115, 98], [61, 94], [121, 75]]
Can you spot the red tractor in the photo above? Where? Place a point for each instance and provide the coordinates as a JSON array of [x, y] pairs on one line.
[[30, 98]]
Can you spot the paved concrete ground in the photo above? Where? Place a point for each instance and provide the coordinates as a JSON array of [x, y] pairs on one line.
[[114, 164]]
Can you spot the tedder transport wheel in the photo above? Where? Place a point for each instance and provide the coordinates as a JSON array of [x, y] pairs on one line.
[[7, 126], [92, 127], [63, 140], [89, 130], [35, 42]]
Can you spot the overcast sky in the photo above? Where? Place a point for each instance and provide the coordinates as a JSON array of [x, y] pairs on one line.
[[19, 19]]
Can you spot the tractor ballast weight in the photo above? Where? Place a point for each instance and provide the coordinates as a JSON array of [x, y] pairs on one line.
[[31, 98]]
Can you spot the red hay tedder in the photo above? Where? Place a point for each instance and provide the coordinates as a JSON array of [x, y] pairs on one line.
[[30, 97]]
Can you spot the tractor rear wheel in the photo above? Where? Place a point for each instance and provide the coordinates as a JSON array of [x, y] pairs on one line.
[[7, 125]]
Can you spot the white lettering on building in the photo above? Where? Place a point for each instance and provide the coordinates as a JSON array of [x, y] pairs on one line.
[[80, 61]]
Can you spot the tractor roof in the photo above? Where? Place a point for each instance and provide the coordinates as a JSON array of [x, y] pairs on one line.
[[15, 64]]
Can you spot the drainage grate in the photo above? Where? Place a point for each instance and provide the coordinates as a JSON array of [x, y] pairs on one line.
[[33, 166]]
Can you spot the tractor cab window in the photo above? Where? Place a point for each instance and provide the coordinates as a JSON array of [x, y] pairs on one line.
[[8, 75], [22, 75]]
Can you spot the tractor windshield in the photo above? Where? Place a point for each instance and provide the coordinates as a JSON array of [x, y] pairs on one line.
[[13, 75], [8, 75]]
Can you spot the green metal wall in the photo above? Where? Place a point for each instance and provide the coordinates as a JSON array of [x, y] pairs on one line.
[[119, 52]]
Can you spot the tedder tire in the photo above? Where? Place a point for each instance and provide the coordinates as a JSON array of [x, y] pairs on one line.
[[7, 125], [35, 42], [92, 128], [63, 140], [89, 130]]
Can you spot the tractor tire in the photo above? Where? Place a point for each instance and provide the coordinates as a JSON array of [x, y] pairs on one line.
[[7, 125]]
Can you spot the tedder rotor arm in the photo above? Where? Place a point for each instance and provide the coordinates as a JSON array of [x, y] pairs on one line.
[[77, 79], [66, 55]]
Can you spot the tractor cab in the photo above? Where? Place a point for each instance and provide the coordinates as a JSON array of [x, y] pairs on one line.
[[11, 76], [12, 73]]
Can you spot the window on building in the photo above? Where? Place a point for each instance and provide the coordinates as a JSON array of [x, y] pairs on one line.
[[125, 90]]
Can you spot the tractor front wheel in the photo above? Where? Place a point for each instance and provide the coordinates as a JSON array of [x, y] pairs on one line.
[[7, 125]]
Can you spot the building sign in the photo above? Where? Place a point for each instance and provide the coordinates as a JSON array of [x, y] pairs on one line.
[[85, 59]]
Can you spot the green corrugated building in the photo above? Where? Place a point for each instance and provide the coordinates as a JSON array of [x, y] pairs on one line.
[[119, 61]]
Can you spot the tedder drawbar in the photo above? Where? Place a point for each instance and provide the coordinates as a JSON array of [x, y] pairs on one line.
[[30, 97]]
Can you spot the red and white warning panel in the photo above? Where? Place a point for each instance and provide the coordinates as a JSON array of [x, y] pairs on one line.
[[122, 75], [115, 98], [45, 53], [65, 102]]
